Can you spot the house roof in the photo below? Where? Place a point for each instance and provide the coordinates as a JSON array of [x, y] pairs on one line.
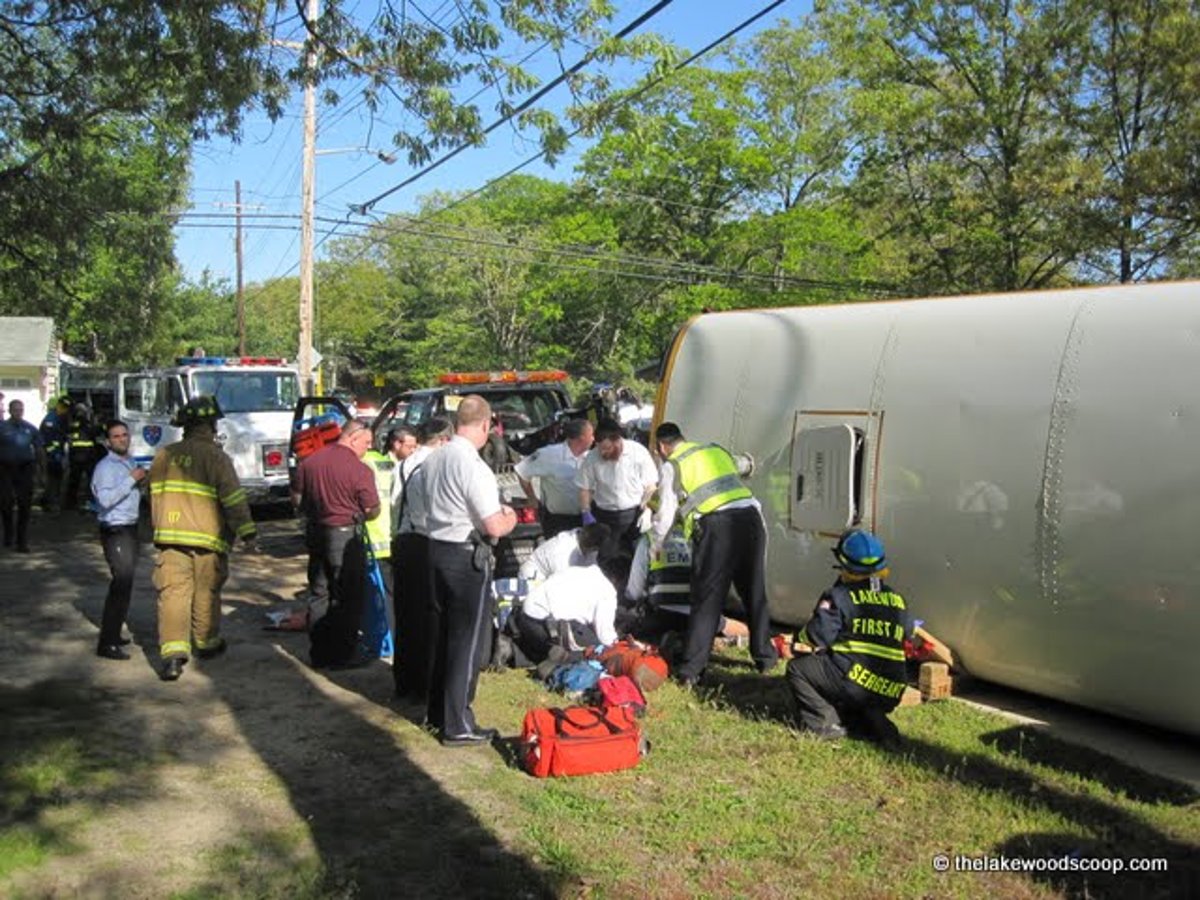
[[26, 341]]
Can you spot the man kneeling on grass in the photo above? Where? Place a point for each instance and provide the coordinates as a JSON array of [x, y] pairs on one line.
[[569, 611], [855, 675]]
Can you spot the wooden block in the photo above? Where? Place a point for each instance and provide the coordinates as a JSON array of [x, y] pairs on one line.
[[934, 681]]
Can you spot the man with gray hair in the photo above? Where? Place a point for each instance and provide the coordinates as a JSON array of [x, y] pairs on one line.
[[555, 468]]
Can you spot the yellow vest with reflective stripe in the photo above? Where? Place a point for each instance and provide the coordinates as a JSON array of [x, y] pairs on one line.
[[379, 529], [707, 478]]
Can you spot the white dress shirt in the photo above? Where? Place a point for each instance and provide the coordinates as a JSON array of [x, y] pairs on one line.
[[580, 594], [555, 467], [552, 556], [461, 491], [621, 484]]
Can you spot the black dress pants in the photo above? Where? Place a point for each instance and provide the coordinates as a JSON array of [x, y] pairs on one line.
[[616, 556], [557, 523], [459, 621], [728, 547], [411, 603], [16, 489], [121, 549]]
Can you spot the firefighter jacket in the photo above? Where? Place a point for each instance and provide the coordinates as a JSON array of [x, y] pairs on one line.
[[54, 435], [379, 529], [195, 498], [864, 625], [706, 479]]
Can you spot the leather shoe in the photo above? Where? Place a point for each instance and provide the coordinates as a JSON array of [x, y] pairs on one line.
[[111, 651], [172, 669], [123, 642], [476, 738]]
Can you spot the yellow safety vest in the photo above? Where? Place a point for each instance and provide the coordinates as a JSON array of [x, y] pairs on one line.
[[706, 478], [379, 529]]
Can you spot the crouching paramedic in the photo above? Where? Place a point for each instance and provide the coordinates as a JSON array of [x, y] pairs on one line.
[[855, 675], [197, 507]]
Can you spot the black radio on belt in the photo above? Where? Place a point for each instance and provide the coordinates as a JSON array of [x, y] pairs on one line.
[[481, 557]]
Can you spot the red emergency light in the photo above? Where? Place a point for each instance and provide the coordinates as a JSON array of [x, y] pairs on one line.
[[507, 376]]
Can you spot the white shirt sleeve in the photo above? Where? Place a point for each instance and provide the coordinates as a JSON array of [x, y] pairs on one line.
[[483, 494], [605, 614], [639, 572], [668, 503]]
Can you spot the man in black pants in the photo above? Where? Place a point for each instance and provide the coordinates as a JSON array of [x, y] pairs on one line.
[[700, 483], [410, 561], [464, 509], [116, 486]]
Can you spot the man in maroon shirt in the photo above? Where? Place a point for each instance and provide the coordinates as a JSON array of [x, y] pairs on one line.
[[337, 489]]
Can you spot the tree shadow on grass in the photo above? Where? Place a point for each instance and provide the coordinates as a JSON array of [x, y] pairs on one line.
[[382, 825], [65, 755]]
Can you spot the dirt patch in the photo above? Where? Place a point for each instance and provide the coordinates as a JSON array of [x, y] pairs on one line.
[[251, 776]]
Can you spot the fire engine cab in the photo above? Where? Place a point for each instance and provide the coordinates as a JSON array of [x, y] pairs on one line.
[[256, 394]]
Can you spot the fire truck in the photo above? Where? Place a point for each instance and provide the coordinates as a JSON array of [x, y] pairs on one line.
[[256, 394]]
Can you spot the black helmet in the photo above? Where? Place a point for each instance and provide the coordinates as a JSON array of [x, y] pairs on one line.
[[199, 409]]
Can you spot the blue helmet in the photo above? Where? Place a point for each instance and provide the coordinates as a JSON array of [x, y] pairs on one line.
[[860, 552]]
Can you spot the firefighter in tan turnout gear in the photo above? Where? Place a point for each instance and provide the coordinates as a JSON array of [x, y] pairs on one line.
[[198, 508]]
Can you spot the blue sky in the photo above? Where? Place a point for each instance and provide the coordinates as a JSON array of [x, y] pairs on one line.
[[267, 161]]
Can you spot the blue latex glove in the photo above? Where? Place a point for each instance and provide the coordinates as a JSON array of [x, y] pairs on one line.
[[588, 518]]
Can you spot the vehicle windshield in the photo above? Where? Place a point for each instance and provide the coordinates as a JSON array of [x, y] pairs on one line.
[[241, 392]]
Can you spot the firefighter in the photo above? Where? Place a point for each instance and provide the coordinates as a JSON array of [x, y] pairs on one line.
[[855, 674], [54, 429], [722, 518], [81, 453], [197, 507]]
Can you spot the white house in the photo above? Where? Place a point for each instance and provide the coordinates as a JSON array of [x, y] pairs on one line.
[[28, 363]]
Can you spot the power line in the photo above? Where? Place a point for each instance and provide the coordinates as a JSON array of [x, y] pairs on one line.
[[616, 105], [363, 208]]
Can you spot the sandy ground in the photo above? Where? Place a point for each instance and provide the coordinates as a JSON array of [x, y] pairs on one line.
[[251, 773]]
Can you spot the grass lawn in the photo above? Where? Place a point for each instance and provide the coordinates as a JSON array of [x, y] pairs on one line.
[[731, 802]]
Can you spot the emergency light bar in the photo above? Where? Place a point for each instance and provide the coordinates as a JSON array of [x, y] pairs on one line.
[[508, 376], [230, 361]]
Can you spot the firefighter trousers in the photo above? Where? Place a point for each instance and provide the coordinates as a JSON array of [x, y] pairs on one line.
[[189, 583]]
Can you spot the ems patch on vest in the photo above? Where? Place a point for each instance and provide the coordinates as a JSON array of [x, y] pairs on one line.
[[152, 434]]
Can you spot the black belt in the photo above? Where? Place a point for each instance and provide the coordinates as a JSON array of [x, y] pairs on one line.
[[466, 545], [106, 529]]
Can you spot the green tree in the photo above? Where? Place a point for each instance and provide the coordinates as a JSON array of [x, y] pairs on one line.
[[964, 158], [1135, 105]]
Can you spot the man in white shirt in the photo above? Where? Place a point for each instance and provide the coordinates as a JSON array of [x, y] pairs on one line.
[[577, 547], [410, 560], [555, 468], [464, 510], [615, 481], [573, 609]]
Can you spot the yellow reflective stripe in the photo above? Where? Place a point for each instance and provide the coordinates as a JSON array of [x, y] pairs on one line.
[[234, 497], [381, 549], [189, 539], [212, 642], [245, 528], [174, 648], [802, 636], [183, 487], [896, 653]]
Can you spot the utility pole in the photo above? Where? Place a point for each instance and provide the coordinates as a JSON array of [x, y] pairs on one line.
[[304, 355], [237, 250]]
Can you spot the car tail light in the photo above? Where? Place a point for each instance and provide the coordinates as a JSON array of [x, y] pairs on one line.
[[274, 457], [526, 515]]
